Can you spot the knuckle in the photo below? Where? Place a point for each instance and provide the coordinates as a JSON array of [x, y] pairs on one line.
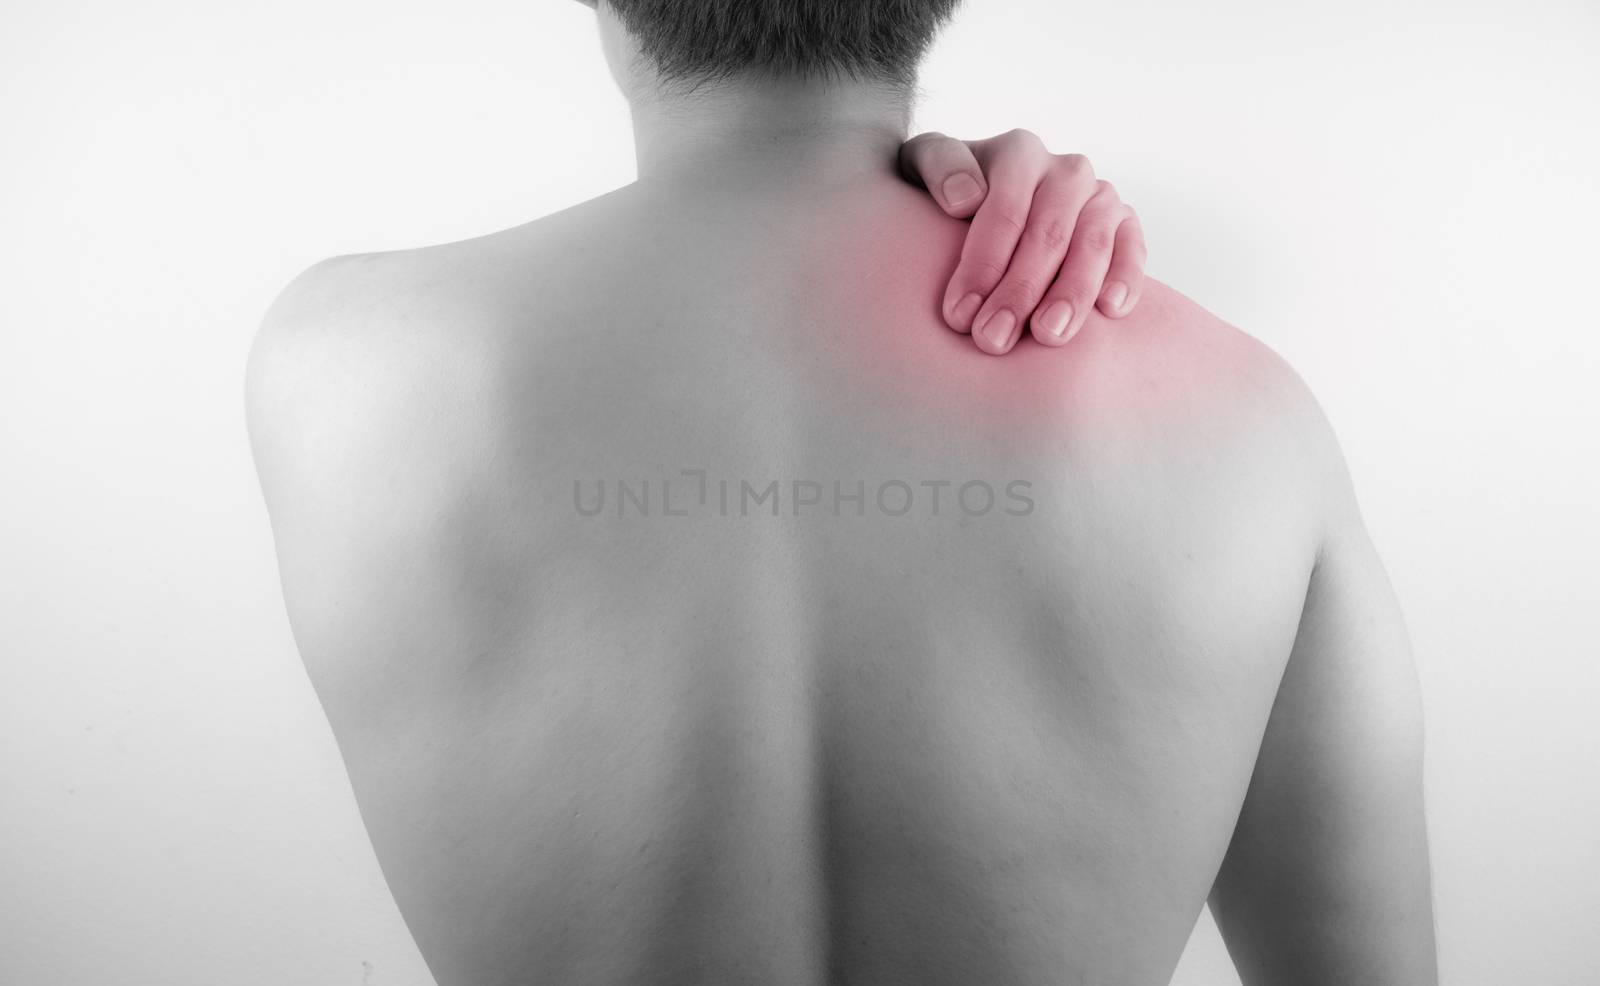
[[1134, 250], [1100, 237], [1074, 290], [1020, 290], [1076, 168], [1053, 234], [1097, 231], [983, 271], [1106, 190], [1022, 137], [1009, 217]]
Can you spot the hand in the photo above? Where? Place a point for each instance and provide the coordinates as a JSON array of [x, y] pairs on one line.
[[1048, 240]]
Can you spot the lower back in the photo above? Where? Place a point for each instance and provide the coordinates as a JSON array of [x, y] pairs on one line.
[[776, 634]]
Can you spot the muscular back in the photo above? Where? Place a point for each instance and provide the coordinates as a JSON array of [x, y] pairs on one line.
[[691, 606]]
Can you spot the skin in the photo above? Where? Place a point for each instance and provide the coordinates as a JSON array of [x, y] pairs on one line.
[[807, 746], [1049, 241]]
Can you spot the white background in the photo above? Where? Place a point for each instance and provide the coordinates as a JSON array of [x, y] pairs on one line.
[[1399, 197]]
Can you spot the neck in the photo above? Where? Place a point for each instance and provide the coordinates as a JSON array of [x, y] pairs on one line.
[[786, 131]]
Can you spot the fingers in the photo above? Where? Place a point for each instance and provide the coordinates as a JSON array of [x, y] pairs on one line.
[[1125, 278], [1016, 164], [1040, 252], [1065, 307], [947, 168], [1037, 219]]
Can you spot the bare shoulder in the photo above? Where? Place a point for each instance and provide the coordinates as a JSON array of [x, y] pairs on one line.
[[377, 361], [1171, 332], [327, 355], [384, 303], [362, 394], [366, 427], [325, 311], [1213, 383]]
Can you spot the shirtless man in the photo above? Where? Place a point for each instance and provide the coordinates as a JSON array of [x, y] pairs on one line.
[[692, 606]]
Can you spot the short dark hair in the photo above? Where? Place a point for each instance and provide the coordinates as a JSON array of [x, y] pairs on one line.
[[694, 41]]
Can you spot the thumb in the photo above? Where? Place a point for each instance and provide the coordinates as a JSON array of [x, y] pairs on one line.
[[947, 169]]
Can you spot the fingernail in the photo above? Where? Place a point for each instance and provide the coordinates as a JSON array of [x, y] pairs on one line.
[[1116, 294], [959, 189], [997, 328], [962, 313], [1054, 320]]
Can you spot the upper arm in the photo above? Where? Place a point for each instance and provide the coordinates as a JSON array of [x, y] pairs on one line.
[[1327, 877], [329, 432], [366, 409]]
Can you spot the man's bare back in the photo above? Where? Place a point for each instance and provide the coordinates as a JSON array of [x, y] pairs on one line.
[[670, 636]]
